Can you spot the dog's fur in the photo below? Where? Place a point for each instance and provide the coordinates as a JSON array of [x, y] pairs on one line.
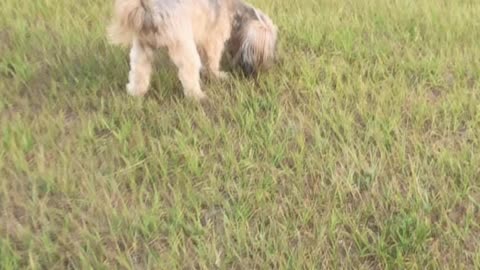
[[193, 32]]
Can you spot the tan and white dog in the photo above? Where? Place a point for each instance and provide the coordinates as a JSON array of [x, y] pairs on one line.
[[195, 33]]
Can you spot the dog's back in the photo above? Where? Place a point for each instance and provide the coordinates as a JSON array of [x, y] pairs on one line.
[[166, 18]]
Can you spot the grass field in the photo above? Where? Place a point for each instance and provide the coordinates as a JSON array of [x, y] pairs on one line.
[[359, 150]]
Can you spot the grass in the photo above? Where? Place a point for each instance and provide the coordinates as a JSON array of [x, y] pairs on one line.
[[359, 150]]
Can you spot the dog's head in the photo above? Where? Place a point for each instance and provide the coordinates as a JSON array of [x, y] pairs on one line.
[[253, 40]]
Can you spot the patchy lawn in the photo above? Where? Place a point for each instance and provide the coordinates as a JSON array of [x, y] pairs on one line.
[[359, 150]]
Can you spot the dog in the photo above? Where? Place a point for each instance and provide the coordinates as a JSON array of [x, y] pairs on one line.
[[196, 34]]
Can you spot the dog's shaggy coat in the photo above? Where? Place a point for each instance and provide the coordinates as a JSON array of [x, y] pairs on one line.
[[194, 32]]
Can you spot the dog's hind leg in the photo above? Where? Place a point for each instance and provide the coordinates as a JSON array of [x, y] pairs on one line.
[[185, 56], [140, 69]]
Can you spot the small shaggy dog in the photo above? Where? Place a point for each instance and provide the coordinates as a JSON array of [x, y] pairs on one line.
[[193, 32]]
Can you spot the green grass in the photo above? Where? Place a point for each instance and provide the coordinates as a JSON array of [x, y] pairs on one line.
[[359, 150]]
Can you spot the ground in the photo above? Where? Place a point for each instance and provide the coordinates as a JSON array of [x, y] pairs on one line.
[[358, 150]]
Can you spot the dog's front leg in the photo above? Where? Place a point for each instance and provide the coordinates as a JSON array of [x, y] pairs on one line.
[[185, 56], [213, 52], [140, 69]]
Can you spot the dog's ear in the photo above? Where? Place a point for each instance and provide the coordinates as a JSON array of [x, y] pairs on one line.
[[253, 40]]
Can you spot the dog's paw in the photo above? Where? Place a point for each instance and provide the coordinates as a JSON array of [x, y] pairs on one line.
[[222, 75], [135, 91], [197, 95], [215, 75]]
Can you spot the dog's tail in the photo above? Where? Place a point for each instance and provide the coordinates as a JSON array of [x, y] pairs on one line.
[[131, 17]]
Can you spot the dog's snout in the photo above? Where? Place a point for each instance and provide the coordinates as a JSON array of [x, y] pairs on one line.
[[248, 68]]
